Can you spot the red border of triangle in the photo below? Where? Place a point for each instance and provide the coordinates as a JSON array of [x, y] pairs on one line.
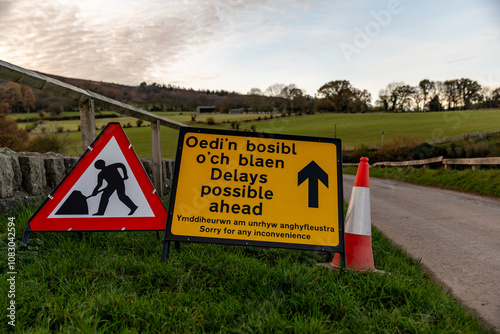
[[40, 221]]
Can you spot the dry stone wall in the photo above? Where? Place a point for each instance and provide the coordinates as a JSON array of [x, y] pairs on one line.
[[29, 176]]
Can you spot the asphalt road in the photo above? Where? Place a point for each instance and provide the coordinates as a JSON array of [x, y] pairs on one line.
[[456, 236]]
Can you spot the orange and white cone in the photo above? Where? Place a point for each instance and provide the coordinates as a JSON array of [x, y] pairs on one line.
[[358, 232]]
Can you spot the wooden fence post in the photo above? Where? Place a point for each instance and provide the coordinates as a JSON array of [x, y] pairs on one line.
[[156, 152], [87, 123]]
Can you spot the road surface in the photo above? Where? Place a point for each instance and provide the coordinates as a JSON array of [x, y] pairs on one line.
[[456, 236]]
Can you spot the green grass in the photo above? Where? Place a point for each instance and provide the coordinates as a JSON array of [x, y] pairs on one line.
[[31, 115], [483, 181], [139, 137], [356, 129], [114, 282], [352, 129]]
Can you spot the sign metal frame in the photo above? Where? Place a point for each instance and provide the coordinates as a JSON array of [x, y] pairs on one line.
[[169, 236]]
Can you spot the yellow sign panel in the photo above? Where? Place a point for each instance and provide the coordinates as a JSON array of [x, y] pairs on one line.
[[256, 190]]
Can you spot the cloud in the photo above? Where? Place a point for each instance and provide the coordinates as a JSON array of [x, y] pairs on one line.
[[70, 39]]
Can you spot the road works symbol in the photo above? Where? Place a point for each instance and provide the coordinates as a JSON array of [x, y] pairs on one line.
[[76, 203], [313, 172], [107, 190]]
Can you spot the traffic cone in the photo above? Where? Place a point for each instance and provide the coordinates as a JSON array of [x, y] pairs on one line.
[[358, 232]]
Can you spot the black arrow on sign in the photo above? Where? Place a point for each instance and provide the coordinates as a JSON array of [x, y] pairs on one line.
[[313, 172]]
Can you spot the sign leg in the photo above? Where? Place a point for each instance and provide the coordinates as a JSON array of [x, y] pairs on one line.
[[26, 236], [165, 252]]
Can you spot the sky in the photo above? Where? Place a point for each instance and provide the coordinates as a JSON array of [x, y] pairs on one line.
[[238, 45]]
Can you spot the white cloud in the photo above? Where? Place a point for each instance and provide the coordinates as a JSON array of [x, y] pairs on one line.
[[90, 40]]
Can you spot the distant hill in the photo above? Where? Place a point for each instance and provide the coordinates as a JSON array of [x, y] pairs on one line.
[[160, 97], [156, 97]]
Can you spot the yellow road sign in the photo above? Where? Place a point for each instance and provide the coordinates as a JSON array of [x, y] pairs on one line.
[[257, 189]]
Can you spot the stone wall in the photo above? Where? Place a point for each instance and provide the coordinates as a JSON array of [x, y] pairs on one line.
[[28, 176]]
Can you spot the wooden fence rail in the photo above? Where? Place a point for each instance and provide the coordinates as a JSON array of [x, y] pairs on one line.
[[424, 163], [87, 102], [475, 163]]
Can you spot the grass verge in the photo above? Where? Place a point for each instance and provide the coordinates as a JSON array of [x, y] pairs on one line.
[[114, 282], [483, 181]]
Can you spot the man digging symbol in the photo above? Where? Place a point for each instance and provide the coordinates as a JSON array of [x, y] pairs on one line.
[[115, 182]]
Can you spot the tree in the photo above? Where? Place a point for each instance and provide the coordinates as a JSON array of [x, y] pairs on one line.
[[19, 98], [383, 100], [427, 87], [126, 96], [5, 108], [389, 96], [13, 95], [28, 99], [324, 105], [294, 97], [339, 92], [451, 93], [435, 104], [361, 101], [255, 91], [275, 93], [405, 94], [344, 97], [274, 90], [495, 98], [468, 92], [143, 87], [418, 96]]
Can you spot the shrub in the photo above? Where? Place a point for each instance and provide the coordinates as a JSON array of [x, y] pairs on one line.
[[235, 125], [210, 121], [426, 151], [11, 136], [139, 122], [397, 149], [358, 152], [49, 142]]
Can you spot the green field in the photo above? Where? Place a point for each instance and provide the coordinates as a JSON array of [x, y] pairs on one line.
[[356, 129], [352, 129]]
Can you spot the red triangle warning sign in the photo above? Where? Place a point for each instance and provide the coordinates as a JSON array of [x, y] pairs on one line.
[[107, 190]]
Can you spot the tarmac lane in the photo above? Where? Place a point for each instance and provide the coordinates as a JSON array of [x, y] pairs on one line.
[[456, 235]]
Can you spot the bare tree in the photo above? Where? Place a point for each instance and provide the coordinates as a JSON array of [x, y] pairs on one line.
[[389, 96], [418, 97], [255, 91], [274, 90]]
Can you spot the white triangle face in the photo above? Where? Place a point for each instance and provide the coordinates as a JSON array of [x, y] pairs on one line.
[[123, 195]]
